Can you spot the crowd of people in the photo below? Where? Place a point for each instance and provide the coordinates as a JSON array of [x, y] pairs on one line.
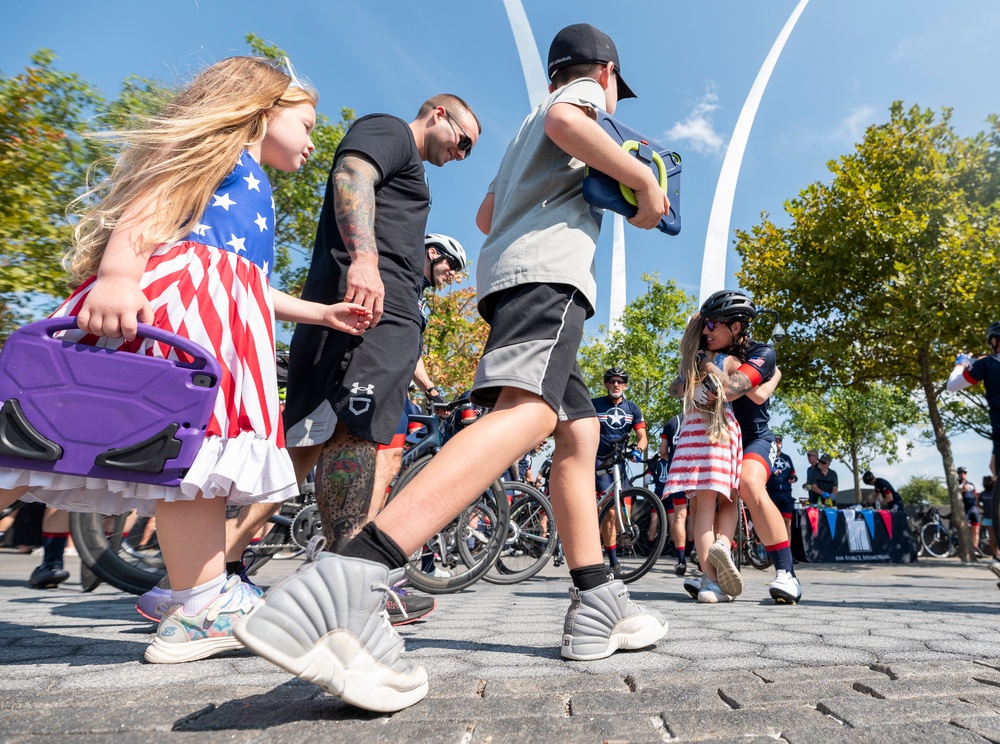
[[180, 236]]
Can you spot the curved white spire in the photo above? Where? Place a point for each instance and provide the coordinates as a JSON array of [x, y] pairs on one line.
[[713, 267]]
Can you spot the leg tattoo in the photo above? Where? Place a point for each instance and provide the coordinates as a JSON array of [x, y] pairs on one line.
[[344, 480]]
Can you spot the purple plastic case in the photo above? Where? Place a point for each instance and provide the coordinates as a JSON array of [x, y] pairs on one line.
[[601, 190], [83, 410]]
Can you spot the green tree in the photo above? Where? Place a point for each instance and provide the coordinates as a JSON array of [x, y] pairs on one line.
[[43, 166], [454, 339], [921, 489], [890, 268], [645, 346], [854, 425]]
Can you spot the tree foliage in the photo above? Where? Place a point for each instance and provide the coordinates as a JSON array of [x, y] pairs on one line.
[[646, 347], [889, 269], [921, 489], [453, 340], [854, 425], [43, 166]]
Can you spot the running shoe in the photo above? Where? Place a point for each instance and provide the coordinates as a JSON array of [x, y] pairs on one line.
[[48, 576], [600, 621], [409, 608], [712, 593], [183, 638], [730, 579], [327, 624], [785, 589], [157, 600], [692, 585]]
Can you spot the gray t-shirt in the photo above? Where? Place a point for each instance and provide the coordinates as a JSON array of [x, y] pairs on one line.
[[542, 230]]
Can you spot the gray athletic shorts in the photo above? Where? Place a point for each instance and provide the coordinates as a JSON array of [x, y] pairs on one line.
[[535, 334], [360, 381]]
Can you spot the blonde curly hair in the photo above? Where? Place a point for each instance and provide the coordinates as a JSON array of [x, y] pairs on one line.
[[175, 160]]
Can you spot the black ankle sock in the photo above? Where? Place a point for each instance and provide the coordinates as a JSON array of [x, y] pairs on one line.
[[589, 577], [371, 544], [234, 567]]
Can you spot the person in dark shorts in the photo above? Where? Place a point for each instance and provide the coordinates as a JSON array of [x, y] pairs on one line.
[[346, 398], [536, 288], [779, 485]]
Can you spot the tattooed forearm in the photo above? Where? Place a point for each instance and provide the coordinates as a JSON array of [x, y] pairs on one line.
[[344, 479], [676, 388], [738, 384], [354, 179]]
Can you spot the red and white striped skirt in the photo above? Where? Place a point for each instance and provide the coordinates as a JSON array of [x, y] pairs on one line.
[[701, 465]]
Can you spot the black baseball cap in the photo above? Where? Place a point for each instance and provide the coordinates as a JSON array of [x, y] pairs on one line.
[[582, 42]]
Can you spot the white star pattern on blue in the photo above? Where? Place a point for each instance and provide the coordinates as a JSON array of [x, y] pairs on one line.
[[222, 201], [246, 201], [616, 417]]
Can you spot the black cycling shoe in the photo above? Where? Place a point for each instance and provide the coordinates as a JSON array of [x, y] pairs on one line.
[[47, 576], [617, 573], [89, 581], [416, 606], [680, 569]]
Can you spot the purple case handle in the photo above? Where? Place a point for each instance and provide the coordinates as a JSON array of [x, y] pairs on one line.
[[203, 360]]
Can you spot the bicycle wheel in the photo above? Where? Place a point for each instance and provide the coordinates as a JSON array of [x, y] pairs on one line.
[[439, 567], [936, 540], [119, 549], [637, 549], [754, 550], [531, 537]]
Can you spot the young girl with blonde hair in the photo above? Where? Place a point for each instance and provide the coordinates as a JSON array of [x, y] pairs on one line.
[[709, 451], [180, 236]]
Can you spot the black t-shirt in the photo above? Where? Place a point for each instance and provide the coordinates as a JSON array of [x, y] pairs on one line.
[[882, 489], [402, 201], [759, 366]]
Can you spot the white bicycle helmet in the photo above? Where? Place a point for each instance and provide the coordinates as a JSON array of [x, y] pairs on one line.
[[447, 246]]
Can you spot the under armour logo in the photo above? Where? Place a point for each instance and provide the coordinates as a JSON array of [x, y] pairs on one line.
[[357, 387]]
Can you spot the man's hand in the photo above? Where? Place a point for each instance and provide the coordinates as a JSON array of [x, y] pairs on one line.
[[364, 285], [964, 360], [635, 455]]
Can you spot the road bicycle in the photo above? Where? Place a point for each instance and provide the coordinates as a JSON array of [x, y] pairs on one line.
[[747, 547], [634, 513], [936, 540], [460, 553], [531, 536]]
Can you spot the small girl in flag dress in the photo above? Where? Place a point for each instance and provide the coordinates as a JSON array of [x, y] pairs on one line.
[[181, 236], [709, 452]]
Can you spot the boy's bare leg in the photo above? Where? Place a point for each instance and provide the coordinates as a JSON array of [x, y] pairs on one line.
[[571, 485], [466, 466]]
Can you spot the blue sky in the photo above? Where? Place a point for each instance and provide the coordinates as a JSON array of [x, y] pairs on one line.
[[692, 65]]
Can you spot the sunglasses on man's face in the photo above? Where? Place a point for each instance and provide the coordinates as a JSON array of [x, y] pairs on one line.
[[616, 382], [452, 262], [464, 142]]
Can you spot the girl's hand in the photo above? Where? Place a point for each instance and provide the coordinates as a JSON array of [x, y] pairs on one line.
[[348, 317], [114, 307]]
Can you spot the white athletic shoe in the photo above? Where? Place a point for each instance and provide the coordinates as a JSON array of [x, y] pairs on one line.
[[730, 579], [600, 621], [785, 589], [711, 593]]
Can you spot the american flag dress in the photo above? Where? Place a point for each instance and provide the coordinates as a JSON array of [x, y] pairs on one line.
[[702, 465], [211, 287]]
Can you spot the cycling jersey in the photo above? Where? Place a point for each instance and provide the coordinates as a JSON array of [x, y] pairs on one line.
[[987, 371], [758, 366], [882, 489], [669, 436], [781, 474], [616, 419]]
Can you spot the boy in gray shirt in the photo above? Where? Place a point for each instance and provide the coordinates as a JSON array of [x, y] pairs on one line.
[[537, 287]]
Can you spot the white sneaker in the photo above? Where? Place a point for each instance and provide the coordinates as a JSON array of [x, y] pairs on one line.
[[720, 556], [600, 621], [785, 589], [995, 566], [692, 585], [441, 573], [711, 593]]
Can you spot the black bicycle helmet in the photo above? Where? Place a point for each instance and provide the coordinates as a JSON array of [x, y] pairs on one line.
[[729, 305], [962, 470], [868, 478], [993, 331], [615, 372]]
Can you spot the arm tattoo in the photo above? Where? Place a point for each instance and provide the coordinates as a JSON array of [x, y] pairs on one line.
[[676, 388], [738, 384], [345, 477], [354, 179]]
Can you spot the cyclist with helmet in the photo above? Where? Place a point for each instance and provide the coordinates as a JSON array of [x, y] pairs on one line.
[[886, 497], [779, 485], [726, 318], [618, 417], [986, 369]]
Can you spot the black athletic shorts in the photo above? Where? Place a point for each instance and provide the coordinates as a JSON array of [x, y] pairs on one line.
[[535, 334], [360, 381]]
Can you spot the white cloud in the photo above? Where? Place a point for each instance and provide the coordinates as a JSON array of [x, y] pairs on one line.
[[852, 129], [698, 129]]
